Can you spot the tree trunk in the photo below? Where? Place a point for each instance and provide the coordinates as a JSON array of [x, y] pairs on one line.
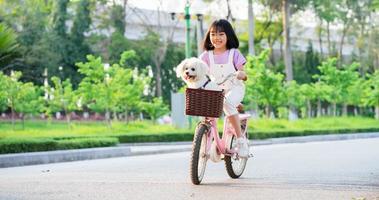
[[251, 27], [329, 43], [376, 112], [23, 121], [334, 109], [268, 111], [287, 40], [255, 111], [356, 111], [158, 80], [229, 16], [126, 114], [344, 31], [320, 39], [12, 117], [319, 108], [309, 108], [108, 117], [292, 114], [344, 109]]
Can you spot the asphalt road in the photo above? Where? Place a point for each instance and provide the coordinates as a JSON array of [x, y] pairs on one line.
[[317, 170]]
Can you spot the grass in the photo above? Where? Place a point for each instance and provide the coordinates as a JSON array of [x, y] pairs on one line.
[[56, 135], [325, 123], [82, 129], [54, 129]]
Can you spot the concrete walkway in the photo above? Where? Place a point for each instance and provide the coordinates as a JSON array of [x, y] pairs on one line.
[[21, 159]]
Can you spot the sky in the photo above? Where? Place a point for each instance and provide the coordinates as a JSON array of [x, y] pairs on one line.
[[217, 8]]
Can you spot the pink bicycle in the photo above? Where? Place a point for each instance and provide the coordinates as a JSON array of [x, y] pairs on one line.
[[207, 143]]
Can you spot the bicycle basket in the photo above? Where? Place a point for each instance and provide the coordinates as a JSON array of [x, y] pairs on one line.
[[206, 103]]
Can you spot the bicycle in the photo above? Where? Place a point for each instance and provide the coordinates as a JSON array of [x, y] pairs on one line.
[[207, 144]]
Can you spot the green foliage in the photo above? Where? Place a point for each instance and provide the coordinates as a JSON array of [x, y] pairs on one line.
[[114, 89], [118, 45], [155, 109], [62, 97], [293, 92], [371, 91], [3, 94], [81, 25], [8, 45], [340, 80], [18, 145], [263, 86], [29, 100]]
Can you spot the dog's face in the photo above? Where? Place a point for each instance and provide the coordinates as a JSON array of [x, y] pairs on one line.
[[192, 70]]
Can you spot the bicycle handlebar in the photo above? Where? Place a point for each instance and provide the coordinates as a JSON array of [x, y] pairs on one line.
[[233, 75]]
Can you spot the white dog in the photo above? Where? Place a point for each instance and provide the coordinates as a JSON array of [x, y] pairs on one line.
[[194, 72]]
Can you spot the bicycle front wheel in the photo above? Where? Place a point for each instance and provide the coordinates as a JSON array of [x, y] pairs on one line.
[[235, 165], [199, 154]]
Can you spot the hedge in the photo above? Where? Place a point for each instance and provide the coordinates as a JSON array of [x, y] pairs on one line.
[[17, 145]]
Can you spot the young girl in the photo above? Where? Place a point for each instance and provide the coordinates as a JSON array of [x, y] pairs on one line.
[[223, 58]]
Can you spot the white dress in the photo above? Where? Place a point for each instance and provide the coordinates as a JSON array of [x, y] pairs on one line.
[[234, 89]]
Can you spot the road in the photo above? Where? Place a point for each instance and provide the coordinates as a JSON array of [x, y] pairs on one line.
[[317, 170]]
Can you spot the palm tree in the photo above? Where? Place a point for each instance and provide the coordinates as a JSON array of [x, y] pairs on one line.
[[8, 45]]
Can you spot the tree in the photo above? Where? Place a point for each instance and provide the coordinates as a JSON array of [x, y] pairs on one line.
[[110, 88], [325, 11], [322, 92], [155, 109], [28, 101], [162, 37], [8, 46], [3, 94], [372, 92], [64, 98], [263, 87], [81, 25], [295, 98], [340, 80], [12, 88], [251, 27]]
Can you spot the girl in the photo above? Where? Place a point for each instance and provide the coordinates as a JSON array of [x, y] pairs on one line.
[[223, 58]]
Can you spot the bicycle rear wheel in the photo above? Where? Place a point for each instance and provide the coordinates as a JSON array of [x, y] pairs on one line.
[[199, 157], [235, 166]]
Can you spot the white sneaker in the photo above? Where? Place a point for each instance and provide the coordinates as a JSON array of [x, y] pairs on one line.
[[242, 147]]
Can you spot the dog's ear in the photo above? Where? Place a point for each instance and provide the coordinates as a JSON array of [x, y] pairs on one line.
[[203, 67], [179, 68]]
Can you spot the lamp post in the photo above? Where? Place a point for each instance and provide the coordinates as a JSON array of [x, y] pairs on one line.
[[199, 33], [187, 17]]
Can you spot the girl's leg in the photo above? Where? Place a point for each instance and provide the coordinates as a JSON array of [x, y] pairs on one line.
[[235, 121]]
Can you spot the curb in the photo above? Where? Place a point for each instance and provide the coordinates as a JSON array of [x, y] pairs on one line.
[[136, 149]]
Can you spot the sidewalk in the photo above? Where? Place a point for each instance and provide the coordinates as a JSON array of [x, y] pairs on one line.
[[22, 159]]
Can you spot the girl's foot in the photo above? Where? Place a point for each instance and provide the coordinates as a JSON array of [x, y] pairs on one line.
[[243, 147]]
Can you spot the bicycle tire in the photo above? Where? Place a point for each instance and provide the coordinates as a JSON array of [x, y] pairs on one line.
[[235, 166], [198, 155]]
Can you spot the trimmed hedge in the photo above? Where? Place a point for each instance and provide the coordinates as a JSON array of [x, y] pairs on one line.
[[15, 145], [172, 137], [18, 145], [277, 134]]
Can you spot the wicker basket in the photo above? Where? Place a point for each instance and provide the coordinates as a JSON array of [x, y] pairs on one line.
[[206, 103]]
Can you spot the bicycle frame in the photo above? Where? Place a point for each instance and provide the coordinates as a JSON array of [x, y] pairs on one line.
[[228, 131]]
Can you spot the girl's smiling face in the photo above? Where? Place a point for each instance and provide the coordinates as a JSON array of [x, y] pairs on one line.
[[218, 39]]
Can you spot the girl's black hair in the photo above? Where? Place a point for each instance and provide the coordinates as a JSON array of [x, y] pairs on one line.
[[221, 25]]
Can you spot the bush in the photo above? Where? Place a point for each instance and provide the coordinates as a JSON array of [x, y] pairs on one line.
[[17, 145]]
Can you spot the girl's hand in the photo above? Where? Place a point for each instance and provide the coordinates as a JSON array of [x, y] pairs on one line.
[[241, 75]]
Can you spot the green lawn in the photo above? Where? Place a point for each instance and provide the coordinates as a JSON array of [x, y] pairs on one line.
[[82, 129], [95, 129], [54, 135]]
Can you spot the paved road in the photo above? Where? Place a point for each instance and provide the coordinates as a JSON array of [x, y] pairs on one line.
[[319, 170]]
